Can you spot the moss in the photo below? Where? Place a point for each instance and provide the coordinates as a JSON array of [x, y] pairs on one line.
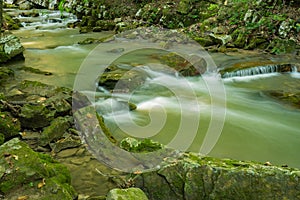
[[143, 146], [25, 168], [126, 194], [55, 131], [5, 73], [105, 130], [9, 126], [36, 116]]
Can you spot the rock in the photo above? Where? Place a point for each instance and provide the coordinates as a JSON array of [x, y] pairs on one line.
[[9, 126], [55, 131], [195, 177], [286, 97], [6, 74], [126, 194], [247, 69], [24, 172], [220, 39], [145, 145], [10, 47], [36, 116], [11, 23], [35, 71], [64, 144], [116, 77]]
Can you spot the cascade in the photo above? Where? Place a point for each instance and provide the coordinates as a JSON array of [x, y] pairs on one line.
[[279, 68]]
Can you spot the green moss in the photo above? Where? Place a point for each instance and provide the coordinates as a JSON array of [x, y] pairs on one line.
[[9, 126], [143, 146], [105, 130], [26, 168]]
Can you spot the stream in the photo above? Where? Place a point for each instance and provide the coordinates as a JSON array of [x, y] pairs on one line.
[[256, 127]]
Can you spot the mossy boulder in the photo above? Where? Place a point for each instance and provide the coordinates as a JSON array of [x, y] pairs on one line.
[[55, 131], [6, 74], [145, 145], [115, 77], [192, 176], [126, 194], [36, 116], [11, 23], [9, 126], [24, 172], [10, 47]]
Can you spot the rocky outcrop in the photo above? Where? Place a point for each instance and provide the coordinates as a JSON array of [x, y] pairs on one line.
[[195, 177], [25, 174], [10, 48]]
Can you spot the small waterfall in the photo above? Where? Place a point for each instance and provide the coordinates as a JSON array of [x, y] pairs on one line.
[[266, 69]]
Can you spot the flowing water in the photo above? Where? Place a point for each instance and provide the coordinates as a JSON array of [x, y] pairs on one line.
[[256, 127]]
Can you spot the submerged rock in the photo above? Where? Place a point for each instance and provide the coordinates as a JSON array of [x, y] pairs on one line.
[[6, 74], [10, 47], [24, 172], [194, 177], [290, 98], [126, 194]]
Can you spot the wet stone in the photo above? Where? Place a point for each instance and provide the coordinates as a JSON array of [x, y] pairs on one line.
[[67, 153]]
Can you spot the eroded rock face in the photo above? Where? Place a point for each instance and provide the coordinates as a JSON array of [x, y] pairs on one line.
[[195, 177], [10, 47], [25, 173]]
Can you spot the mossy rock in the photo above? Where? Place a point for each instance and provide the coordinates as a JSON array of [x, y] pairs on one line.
[[204, 41], [36, 116], [9, 126], [288, 98], [11, 23], [192, 176], [6, 74], [24, 172], [10, 47], [55, 131], [124, 80], [136, 146], [126, 194]]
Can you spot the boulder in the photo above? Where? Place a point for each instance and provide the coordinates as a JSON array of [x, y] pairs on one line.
[[9, 126], [36, 116], [10, 47], [6, 74], [192, 176], [55, 131], [26, 174], [126, 194]]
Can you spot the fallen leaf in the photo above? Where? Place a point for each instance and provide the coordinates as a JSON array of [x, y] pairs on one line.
[[22, 198]]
